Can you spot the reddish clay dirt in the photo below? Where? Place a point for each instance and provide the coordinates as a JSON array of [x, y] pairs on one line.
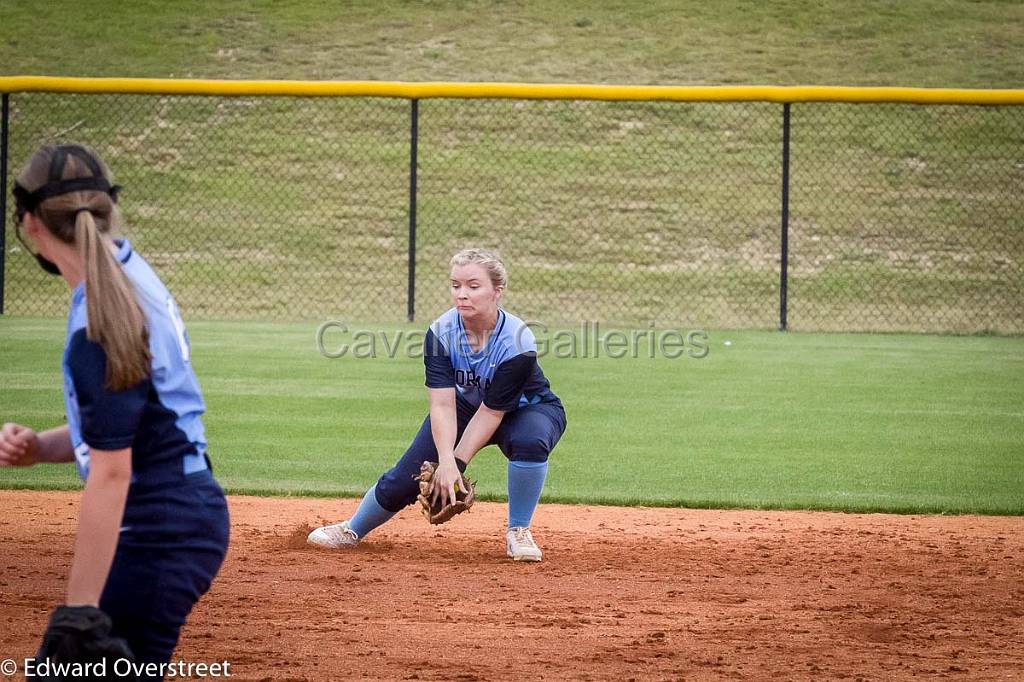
[[621, 594]]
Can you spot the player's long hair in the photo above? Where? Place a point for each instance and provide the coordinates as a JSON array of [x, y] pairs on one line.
[[114, 317], [489, 260]]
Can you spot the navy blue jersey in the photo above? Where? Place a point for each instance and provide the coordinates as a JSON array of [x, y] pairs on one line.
[[158, 418], [503, 375]]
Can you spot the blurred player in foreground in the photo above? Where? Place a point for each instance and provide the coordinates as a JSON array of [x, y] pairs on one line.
[[153, 522], [485, 387]]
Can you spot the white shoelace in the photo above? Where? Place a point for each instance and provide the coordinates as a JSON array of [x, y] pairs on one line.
[[524, 537], [342, 532]]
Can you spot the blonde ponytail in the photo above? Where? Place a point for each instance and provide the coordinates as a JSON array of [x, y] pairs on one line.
[[114, 317], [79, 207]]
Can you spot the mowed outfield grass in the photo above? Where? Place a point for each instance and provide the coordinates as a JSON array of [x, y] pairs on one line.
[[900, 423], [851, 422]]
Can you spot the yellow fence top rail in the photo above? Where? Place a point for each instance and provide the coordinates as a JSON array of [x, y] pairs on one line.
[[660, 93]]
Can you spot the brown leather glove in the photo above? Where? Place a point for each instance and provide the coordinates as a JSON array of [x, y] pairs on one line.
[[433, 510]]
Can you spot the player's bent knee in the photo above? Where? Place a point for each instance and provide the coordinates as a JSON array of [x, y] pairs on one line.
[[528, 450], [394, 494]]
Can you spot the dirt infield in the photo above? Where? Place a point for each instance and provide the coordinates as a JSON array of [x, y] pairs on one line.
[[621, 594]]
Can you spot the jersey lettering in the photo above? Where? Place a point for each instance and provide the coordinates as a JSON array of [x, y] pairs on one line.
[[471, 379]]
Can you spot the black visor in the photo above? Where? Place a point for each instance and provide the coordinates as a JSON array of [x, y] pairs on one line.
[[26, 202]]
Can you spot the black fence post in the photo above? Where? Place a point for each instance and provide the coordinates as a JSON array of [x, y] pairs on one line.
[[413, 144], [4, 118], [784, 260]]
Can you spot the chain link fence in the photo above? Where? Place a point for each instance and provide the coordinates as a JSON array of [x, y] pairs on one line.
[[900, 217], [907, 218]]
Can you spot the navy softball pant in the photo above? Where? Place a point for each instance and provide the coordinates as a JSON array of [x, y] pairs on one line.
[[527, 434], [173, 541]]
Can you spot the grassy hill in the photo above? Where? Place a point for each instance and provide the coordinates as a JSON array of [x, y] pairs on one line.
[[827, 42], [902, 217]]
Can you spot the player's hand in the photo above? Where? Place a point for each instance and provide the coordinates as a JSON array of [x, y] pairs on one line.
[[446, 477], [19, 446]]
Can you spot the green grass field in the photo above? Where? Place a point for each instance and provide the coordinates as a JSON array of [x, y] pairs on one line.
[[902, 218], [903, 423]]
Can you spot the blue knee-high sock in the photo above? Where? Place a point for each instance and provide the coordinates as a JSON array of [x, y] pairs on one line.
[[369, 515], [525, 481]]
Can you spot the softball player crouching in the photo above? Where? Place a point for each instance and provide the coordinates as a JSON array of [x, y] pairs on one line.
[[153, 522], [485, 388]]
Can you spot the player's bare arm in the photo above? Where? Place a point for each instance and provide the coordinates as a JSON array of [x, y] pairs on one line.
[[444, 429], [22, 446], [99, 523]]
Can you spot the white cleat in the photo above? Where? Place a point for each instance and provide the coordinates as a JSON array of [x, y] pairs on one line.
[[521, 546], [335, 536]]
